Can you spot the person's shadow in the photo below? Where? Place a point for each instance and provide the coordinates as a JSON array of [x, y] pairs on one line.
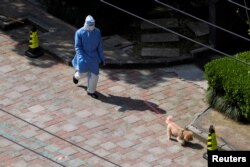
[[128, 103]]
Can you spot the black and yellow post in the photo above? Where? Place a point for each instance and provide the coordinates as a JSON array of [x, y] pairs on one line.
[[34, 50], [211, 141]]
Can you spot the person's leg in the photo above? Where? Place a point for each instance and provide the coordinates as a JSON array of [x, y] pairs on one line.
[[77, 76], [92, 83]]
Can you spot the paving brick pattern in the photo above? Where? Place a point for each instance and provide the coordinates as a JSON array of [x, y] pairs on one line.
[[55, 123]]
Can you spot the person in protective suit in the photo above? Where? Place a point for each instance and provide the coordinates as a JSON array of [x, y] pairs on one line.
[[89, 54]]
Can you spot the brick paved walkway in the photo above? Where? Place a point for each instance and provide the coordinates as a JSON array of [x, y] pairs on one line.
[[46, 120]]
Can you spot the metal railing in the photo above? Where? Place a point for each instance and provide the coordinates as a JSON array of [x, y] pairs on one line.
[[204, 21], [237, 4], [174, 32]]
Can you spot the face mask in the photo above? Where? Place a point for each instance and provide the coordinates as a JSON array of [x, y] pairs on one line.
[[89, 28]]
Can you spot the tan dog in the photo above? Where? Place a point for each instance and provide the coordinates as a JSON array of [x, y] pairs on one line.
[[182, 135]]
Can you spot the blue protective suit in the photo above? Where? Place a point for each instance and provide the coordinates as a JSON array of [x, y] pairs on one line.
[[89, 51]]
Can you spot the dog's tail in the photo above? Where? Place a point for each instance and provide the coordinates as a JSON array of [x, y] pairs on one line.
[[169, 119]]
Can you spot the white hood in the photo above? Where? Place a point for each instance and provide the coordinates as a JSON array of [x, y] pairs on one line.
[[89, 24]]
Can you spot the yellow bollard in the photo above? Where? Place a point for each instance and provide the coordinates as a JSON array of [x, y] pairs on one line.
[[211, 142], [33, 42], [34, 50]]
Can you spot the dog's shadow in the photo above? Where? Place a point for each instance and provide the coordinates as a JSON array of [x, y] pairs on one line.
[[128, 103], [195, 146]]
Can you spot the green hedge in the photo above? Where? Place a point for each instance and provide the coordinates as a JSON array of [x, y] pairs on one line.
[[229, 86]]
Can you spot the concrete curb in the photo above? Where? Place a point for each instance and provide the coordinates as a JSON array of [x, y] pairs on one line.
[[202, 135]]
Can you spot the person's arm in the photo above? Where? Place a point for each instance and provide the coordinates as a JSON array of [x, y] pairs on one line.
[[100, 52], [78, 43]]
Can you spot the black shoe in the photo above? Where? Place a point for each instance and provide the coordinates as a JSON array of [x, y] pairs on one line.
[[93, 95], [75, 80]]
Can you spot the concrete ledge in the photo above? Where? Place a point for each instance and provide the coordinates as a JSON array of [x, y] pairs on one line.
[[159, 37], [168, 23], [160, 52], [148, 63], [198, 28], [202, 135]]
